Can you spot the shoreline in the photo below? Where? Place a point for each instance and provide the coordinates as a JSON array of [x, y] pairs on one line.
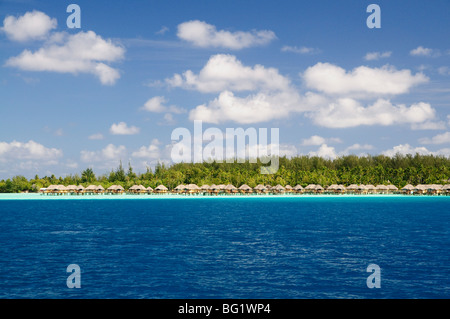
[[37, 196]]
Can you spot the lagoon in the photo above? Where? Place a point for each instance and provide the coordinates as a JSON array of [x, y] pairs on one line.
[[224, 247]]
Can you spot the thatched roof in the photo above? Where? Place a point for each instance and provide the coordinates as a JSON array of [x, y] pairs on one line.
[[245, 187], [230, 187], [288, 187], [119, 188], [318, 188], [180, 187], [370, 186], [91, 188], [149, 189], [361, 187], [408, 187], [298, 187], [192, 187], [382, 187], [278, 188], [392, 187], [112, 188], [341, 187], [352, 187], [446, 187], [71, 188], [260, 187], [80, 188], [161, 188], [205, 187], [332, 187], [311, 187]]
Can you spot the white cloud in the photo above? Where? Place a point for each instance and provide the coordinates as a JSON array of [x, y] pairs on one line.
[[325, 151], [301, 50], [444, 70], [438, 139], [421, 51], [33, 25], [429, 125], [404, 149], [332, 79], [123, 129], [370, 56], [27, 151], [97, 136], [348, 112], [358, 147], [318, 140], [156, 104], [204, 35], [163, 30], [151, 152], [83, 52], [256, 108], [107, 155], [226, 72]]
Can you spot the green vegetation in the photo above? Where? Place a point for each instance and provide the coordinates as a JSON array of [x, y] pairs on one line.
[[398, 170]]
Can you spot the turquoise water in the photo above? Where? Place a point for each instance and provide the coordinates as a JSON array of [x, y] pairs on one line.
[[227, 247]]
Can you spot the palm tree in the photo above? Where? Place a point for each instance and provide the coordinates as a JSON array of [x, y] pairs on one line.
[[88, 176]]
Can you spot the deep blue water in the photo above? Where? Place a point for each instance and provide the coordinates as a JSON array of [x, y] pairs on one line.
[[316, 247]]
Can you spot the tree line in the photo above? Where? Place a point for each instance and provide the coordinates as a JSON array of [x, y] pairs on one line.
[[304, 170]]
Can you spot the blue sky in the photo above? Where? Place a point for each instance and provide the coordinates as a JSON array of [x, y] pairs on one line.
[[116, 88]]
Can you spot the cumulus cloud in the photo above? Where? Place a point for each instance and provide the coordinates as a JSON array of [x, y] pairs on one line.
[[30, 150], [348, 112], [362, 81], [157, 104], [226, 72], [370, 56], [438, 139], [111, 154], [421, 51], [151, 152], [33, 25], [83, 52], [123, 129], [97, 136], [255, 108], [404, 149], [204, 35], [319, 140], [301, 50], [325, 151]]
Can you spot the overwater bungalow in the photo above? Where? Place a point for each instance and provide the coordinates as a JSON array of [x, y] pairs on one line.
[[446, 189], [408, 189], [149, 190], [260, 189], [192, 189], [91, 189], [278, 189], [205, 189], [231, 189], [370, 189], [310, 189], [392, 189], [318, 189], [72, 189], [382, 189], [420, 189], [214, 189], [137, 189], [298, 189], [245, 189], [179, 189], [288, 189], [161, 189], [352, 188]]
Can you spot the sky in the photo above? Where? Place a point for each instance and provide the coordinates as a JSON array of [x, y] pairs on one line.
[[116, 88]]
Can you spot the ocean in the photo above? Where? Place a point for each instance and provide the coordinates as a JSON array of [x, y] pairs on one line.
[[241, 248]]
